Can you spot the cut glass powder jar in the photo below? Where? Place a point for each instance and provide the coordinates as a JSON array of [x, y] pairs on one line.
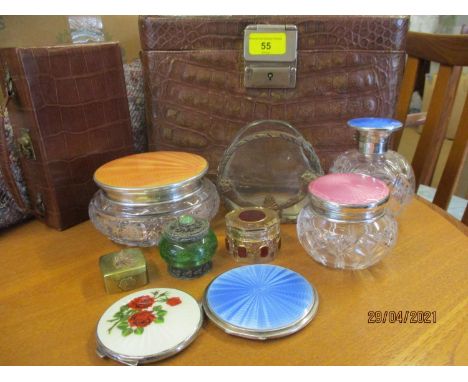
[[345, 224], [141, 193], [253, 234], [373, 158], [188, 245]]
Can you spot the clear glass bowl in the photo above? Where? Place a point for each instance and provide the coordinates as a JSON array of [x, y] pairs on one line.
[[141, 225], [346, 224], [345, 245]]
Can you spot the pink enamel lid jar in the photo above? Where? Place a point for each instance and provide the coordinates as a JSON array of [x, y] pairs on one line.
[[348, 197], [345, 225]]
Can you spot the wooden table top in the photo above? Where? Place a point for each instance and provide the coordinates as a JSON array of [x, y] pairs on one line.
[[52, 295]]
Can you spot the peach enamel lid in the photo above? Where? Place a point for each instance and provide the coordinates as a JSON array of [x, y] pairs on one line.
[[349, 189], [151, 170]]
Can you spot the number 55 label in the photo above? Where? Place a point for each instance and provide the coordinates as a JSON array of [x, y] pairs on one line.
[[267, 43]]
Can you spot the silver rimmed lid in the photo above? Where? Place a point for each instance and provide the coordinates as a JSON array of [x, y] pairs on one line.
[[373, 133], [151, 178], [349, 197], [262, 335], [148, 326], [154, 195], [258, 310]]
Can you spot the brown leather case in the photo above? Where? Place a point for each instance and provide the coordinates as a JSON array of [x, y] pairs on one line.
[[348, 66], [71, 102]]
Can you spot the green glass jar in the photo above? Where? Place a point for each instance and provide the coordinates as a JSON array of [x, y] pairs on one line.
[[188, 245]]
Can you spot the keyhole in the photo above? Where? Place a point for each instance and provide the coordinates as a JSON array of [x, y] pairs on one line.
[[270, 76]]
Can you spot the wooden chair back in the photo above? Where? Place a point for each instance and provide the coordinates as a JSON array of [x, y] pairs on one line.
[[451, 52]]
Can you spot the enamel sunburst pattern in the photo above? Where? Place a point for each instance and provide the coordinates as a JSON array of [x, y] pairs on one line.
[[151, 170], [260, 301]]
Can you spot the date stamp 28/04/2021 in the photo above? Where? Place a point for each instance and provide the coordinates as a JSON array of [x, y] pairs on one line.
[[401, 317]]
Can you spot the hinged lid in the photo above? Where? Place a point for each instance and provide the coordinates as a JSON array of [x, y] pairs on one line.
[[384, 34], [127, 262], [148, 326], [260, 301], [252, 219]]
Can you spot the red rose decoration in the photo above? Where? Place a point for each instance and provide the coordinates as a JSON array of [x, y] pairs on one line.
[[141, 319], [173, 301], [141, 302]]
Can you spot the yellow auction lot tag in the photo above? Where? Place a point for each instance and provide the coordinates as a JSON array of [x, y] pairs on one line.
[[267, 43]]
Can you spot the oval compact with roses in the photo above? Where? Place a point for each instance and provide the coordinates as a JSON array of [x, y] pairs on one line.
[[148, 326]]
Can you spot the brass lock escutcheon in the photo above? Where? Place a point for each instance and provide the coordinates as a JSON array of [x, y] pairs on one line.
[[270, 56]]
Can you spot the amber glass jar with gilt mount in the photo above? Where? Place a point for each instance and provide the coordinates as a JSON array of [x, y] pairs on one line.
[[269, 164], [141, 193], [253, 234]]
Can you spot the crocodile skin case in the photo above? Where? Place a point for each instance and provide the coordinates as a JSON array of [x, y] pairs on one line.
[[69, 112], [10, 212], [347, 66]]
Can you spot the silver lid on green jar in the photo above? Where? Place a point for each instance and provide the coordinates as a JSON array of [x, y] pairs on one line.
[[186, 228]]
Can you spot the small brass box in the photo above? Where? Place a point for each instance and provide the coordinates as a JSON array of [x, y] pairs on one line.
[[123, 270]]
